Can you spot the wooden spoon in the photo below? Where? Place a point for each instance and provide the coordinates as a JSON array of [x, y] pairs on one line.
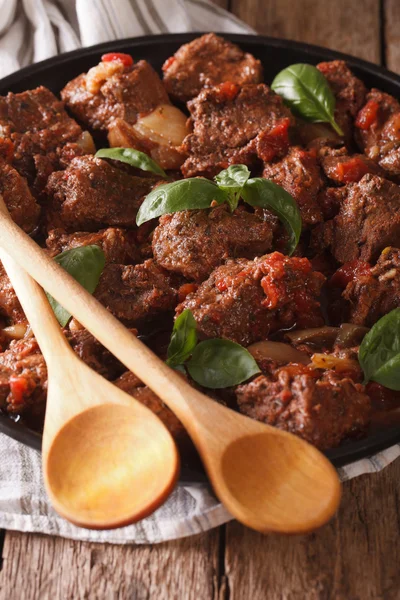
[[107, 460], [268, 479]]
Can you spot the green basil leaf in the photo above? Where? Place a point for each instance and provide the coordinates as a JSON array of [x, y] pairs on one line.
[[132, 157], [232, 180], [183, 339], [266, 194], [307, 93], [379, 353], [85, 264], [185, 194], [221, 363]]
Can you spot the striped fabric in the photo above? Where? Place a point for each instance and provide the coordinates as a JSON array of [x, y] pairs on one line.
[[32, 30]]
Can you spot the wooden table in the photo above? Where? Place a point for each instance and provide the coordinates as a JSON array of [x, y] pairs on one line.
[[356, 556]]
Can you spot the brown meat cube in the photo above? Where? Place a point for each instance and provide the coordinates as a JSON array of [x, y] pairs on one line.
[[322, 409], [93, 353], [16, 194], [194, 242], [374, 292], [126, 94], [342, 168], [10, 307], [137, 293], [233, 125], [118, 245], [299, 174], [378, 130], [23, 379], [349, 92], [330, 200], [245, 300], [91, 194], [129, 383], [368, 221], [205, 62]]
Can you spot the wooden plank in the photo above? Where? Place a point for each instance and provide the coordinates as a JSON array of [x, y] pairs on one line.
[[392, 34], [348, 26], [356, 556], [51, 568], [221, 3]]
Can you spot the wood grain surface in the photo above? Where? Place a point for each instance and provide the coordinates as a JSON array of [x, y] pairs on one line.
[[356, 556]]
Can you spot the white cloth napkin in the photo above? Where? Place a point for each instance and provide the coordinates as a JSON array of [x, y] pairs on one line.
[[32, 30]]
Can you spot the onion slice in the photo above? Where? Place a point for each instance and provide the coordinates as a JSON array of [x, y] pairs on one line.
[[319, 335], [278, 351]]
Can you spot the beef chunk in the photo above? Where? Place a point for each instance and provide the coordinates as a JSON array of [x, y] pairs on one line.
[[93, 353], [136, 293], [246, 300], [118, 245], [299, 174], [205, 62], [129, 383], [10, 307], [91, 194], [123, 93], [330, 200], [43, 137], [342, 168], [378, 130], [349, 92], [375, 291], [368, 221], [235, 125], [16, 194], [193, 243], [322, 409], [23, 379]]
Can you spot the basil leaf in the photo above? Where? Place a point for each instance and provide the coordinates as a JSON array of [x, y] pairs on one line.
[[132, 157], [221, 363], [85, 264], [185, 194], [266, 194], [379, 353], [232, 180], [183, 339], [307, 93]]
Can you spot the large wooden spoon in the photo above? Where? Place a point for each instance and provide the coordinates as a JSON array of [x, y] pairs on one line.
[[268, 479], [107, 460]]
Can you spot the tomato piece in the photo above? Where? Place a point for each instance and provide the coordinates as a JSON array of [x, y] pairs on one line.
[[185, 290], [126, 59], [349, 271], [19, 387], [227, 91], [368, 115], [168, 63], [274, 142], [352, 170]]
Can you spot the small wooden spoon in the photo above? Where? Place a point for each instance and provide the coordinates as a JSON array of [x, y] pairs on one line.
[[107, 460], [268, 479]]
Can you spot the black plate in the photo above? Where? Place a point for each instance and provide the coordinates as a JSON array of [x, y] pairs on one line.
[[275, 54]]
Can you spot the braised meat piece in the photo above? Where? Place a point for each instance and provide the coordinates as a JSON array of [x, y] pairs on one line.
[[118, 245], [42, 135], [378, 130], [129, 383], [323, 409], [130, 103], [16, 194], [299, 174], [233, 124], [368, 221], [205, 62], [194, 242], [10, 307], [137, 293], [341, 167], [349, 92], [374, 291], [91, 194], [23, 379], [245, 300], [93, 353]]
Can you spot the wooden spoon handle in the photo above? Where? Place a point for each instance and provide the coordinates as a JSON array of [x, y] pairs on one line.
[[178, 394]]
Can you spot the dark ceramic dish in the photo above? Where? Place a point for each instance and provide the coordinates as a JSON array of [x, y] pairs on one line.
[[275, 54]]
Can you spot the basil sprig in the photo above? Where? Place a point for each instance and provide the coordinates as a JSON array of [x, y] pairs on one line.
[[379, 353], [306, 92], [85, 264], [231, 185], [132, 157], [212, 364]]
